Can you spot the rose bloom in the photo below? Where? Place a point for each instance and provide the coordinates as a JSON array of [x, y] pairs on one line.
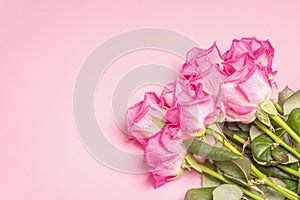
[[204, 66], [249, 81], [239, 80], [145, 118], [162, 143], [164, 153], [203, 70], [192, 109], [260, 51]]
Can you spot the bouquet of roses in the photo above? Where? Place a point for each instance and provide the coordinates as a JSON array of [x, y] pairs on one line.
[[226, 119]]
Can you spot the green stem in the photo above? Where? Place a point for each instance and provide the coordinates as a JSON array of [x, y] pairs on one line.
[[298, 190], [223, 141], [282, 167], [236, 138], [201, 168], [289, 170], [284, 191], [286, 127], [255, 172], [277, 139], [279, 108]]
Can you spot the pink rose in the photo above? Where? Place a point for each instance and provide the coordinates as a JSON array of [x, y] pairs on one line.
[[204, 71], [192, 108], [249, 81], [145, 118], [238, 81], [200, 62], [164, 153], [260, 51], [247, 87], [167, 96]]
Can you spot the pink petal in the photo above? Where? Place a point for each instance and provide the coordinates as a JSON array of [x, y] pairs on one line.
[[254, 87], [141, 118], [164, 153], [237, 106], [193, 115], [199, 61], [173, 116], [167, 96]]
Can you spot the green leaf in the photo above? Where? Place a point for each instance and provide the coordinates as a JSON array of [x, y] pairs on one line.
[[255, 132], [275, 124], [294, 166], [215, 127], [279, 156], [263, 117], [243, 182], [291, 184], [243, 127], [209, 152], [228, 192], [273, 171], [237, 171], [294, 120], [298, 189], [264, 152], [199, 194], [291, 159], [209, 181], [271, 193], [268, 107], [284, 95], [233, 126], [291, 103], [238, 181], [239, 168], [280, 132]]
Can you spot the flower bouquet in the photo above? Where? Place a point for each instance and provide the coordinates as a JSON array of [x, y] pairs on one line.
[[226, 119]]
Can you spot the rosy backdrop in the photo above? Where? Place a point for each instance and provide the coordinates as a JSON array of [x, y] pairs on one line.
[[42, 47]]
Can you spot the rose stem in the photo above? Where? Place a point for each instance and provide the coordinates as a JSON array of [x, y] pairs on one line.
[[201, 168], [286, 127], [254, 171], [284, 168], [277, 139], [278, 108]]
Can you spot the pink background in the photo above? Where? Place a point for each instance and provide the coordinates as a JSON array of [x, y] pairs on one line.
[[42, 47]]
